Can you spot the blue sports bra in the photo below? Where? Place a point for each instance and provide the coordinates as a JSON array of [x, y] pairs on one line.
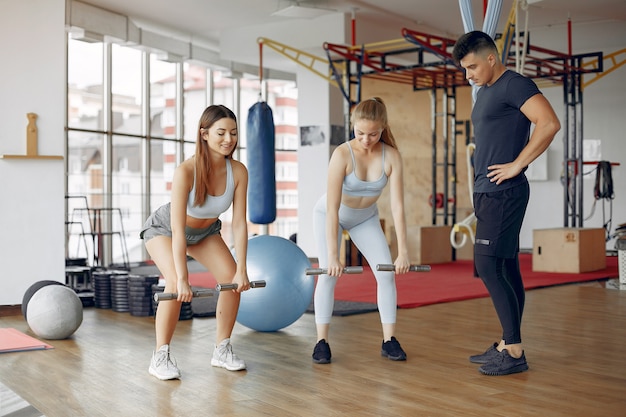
[[213, 205], [355, 187]]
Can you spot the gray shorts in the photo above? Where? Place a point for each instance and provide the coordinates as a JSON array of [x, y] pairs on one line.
[[158, 224]]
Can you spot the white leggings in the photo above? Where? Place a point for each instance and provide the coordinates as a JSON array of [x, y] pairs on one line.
[[368, 236]]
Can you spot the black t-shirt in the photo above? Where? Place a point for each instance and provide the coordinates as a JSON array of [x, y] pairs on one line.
[[501, 130]]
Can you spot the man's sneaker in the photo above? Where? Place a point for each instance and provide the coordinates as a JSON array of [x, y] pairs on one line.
[[392, 350], [504, 364], [162, 366], [321, 352], [223, 357], [486, 357]]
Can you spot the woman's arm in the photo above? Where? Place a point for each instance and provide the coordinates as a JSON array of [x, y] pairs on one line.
[[239, 225], [336, 174], [396, 188], [181, 186]]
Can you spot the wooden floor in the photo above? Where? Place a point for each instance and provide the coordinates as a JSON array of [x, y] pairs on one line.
[[574, 335]]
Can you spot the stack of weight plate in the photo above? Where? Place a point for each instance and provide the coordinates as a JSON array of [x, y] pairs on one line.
[[140, 294], [102, 288], [119, 292], [186, 313]]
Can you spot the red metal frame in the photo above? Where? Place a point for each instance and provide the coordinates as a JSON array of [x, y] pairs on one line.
[[442, 71]]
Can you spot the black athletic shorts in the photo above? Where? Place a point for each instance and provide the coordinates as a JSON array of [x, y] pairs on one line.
[[499, 220]]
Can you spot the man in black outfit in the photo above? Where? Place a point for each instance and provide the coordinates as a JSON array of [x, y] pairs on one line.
[[507, 103]]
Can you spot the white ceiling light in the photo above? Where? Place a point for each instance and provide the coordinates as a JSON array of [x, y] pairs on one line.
[[302, 12]]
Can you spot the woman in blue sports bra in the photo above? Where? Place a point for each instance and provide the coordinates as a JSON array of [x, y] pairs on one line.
[[203, 187], [357, 173]]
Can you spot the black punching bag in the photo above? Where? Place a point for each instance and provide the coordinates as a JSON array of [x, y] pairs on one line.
[[261, 164]]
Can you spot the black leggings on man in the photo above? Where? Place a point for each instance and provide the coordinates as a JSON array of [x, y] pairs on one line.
[[503, 280], [499, 221]]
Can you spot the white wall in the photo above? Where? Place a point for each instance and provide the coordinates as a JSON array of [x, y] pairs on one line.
[[604, 118], [240, 45], [321, 107], [32, 79]]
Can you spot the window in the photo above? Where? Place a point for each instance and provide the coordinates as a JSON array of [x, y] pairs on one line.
[[122, 152], [85, 88], [126, 90]]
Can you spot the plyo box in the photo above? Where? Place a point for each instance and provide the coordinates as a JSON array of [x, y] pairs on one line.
[[569, 249], [426, 244]]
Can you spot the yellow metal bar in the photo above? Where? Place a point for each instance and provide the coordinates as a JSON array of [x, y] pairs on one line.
[[610, 64], [303, 58], [508, 34], [383, 46]]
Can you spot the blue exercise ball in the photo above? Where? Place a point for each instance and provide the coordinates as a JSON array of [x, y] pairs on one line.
[[289, 291]]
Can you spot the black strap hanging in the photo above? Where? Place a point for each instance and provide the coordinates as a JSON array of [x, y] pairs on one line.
[[603, 190], [604, 182]]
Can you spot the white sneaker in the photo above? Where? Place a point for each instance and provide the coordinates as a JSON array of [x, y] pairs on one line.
[[162, 366], [224, 357]]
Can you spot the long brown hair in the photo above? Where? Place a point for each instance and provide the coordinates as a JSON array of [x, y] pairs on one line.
[[374, 109], [202, 161]]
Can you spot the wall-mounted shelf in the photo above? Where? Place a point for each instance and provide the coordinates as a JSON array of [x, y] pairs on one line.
[[31, 157], [31, 142]]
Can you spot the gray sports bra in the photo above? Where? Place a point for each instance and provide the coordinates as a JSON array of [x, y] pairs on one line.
[[213, 206], [355, 187]]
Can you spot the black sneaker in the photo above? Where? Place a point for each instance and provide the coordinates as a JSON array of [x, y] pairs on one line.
[[504, 364], [393, 350], [321, 353], [486, 357]]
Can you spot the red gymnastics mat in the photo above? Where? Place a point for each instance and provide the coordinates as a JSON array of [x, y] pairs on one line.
[[455, 281], [447, 282]]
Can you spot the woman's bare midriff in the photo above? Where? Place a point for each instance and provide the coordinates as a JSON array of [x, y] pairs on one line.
[[199, 223], [358, 202]]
